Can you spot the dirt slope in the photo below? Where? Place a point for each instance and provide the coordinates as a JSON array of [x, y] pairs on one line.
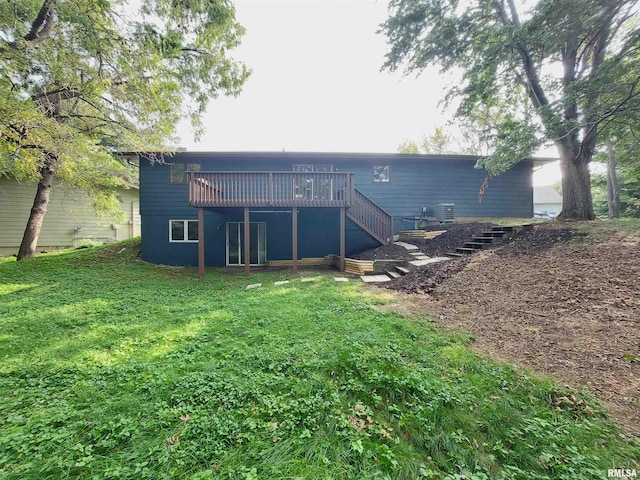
[[553, 301]]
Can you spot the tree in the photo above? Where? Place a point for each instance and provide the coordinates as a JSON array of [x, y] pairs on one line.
[[476, 136], [620, 136], [439, 142], [617, 191], [82, 79], [408, 146], [567, 55], [613, 187]]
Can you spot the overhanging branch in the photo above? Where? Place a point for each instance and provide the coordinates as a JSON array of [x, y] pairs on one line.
[[43, 24]]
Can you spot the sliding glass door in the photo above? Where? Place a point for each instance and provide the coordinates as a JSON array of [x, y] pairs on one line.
[[257, 243]]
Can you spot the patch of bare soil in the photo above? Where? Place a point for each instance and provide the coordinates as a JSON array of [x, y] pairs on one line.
[[554, 302]]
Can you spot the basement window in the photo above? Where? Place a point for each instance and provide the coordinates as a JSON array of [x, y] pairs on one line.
[[381, 173], [178, 171], [183, 231]]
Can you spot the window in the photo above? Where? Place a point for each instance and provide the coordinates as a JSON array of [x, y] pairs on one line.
[[183, 230], [178, 170], [316, 187], [381, 173]]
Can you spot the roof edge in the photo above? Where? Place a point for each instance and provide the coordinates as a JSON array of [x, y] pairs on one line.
[[325, 155]]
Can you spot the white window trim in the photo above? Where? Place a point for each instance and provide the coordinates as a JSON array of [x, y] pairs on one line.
[[186, 231]]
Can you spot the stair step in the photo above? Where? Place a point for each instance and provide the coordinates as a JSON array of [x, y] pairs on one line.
[[505, 228], [403, 270], [483, 239], [374, 278], [494, 234], [465, 250], [475, 245], [455, 254], [393, 274]]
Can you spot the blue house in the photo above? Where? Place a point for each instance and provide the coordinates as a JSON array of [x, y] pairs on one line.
[[242, 209]]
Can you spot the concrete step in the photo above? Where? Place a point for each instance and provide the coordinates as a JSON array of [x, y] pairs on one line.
[[393, 274], [407, 246], [454, 254], [475, 245], [403, 270], [428, 261], [374, 278], [465, 251]]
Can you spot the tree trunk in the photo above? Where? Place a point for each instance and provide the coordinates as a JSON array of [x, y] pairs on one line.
[[613, 188], [39, 209], [577, 203]]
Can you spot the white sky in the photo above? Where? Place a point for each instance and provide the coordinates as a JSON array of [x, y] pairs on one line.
[[317, 86]]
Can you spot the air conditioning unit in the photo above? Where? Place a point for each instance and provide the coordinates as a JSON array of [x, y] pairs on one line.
[[446, 212]]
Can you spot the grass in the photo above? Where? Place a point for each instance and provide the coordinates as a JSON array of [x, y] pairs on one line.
[[602, 230], [113, 368]]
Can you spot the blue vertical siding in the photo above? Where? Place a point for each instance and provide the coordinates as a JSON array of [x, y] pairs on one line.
[[416, 181]]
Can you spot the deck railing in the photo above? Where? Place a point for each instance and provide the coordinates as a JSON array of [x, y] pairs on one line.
[[371, 218], [290, 189], [257, 189]]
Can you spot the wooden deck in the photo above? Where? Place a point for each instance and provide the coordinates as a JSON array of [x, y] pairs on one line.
[[288, 190]]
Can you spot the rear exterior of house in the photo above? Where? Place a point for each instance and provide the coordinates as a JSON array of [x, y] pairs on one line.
[[70, 220], [298, 205]]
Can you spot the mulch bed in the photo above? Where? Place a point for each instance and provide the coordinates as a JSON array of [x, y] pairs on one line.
[[551, 301], [456, 235], [425, 279]]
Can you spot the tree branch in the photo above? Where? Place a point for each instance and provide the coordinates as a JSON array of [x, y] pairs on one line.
[[533, 83], [64, 92], [43, 24], [590, 134], [609, 117]]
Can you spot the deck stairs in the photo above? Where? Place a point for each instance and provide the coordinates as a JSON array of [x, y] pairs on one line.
[[371, 218]]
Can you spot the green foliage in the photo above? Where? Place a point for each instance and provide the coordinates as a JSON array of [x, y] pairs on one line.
[[131, 370], [480, 131], [575, 62], [626, 149], [80, 80], [629, 193], [438, 143], [408, 146]]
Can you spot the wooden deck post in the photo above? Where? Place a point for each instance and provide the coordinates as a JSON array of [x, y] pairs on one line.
[[294, 240], [342, 236], [247, 244], [200, 242]]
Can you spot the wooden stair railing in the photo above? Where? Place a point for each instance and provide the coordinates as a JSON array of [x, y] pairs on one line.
[[371, 218]]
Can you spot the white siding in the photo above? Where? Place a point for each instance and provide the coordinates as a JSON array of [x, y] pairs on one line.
[[69, 219]]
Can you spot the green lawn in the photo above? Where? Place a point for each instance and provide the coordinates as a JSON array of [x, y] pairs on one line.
[[112, 368]]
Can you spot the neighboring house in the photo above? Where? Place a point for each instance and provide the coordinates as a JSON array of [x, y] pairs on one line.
[[70, 219], [199, 208], [546, 201]]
